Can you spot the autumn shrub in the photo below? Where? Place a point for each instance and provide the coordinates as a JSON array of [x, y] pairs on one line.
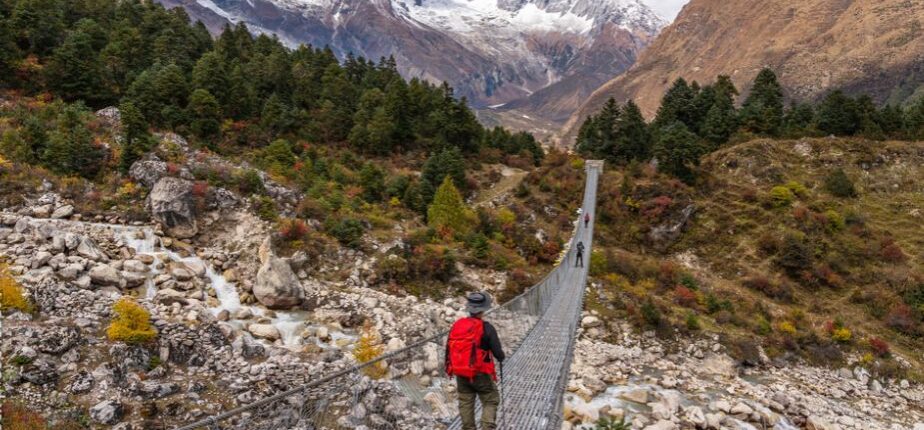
[[265, 208], [685, 297], [519, 279], [842, 335], [879, 347], [781, 196], [715, 305], [795, 255], [653, 209], [901, 317], [835, 221], [349, 231], [17, 416], [293, 229], [774, 290], [827, 276], [392, 268], [838, 184], [692, 322], [12, 295], [891, 252], [650, 313], [433, 262], [787, 328], [131, 323], [598, 263], [768, 243], [368, 348], [797, 189]]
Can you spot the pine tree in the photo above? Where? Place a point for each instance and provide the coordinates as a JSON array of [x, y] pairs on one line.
[[38, 25], [74, 70], [448, 210], [204, 114], [721, 121], [798, 120], [891, 121], [837, 114], [70, 149], [633, 134], [372, 179], [446, 163], [678, 151], [677, 105], [135, 138], [211, 75], [9, 53], [373, 129], [914, 120], [762, 111], [276, 117]]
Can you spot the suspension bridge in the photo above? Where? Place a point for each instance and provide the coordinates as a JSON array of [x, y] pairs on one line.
[[537, 329]]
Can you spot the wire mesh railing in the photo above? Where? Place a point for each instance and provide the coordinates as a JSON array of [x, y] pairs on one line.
[[408, 388]]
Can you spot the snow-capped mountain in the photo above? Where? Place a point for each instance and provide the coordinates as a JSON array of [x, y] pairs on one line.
[[542, 57]]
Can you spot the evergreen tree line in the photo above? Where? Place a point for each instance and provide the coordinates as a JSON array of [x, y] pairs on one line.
[[694, 120], [237, 90]]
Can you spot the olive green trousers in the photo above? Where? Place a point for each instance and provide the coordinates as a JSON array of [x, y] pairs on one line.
[[484, 388]]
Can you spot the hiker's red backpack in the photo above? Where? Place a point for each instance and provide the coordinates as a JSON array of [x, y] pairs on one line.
[[464, 356]]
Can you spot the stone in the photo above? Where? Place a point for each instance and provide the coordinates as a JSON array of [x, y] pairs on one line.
[[88, 249], [171, 204], [719, 365], [591, 321], [134, 279], [107, 412], [264, 331], [639, 395], [148, 170], [134, 266], [662, 425], [104, 274], [742, 409], [695, 416], [276, 285], [40, 259], [814, 422], [63, 212]]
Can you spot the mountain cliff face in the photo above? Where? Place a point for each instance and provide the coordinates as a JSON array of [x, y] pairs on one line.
[[815, 46], [540, 57]]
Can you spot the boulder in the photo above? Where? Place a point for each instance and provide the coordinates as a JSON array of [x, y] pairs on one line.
[[171, 204], [591, 321], [104, 274], [719, 365], [276, 286], [107, 412], [148, 170], [63, 212], [817, 423], [87, 248], [639, 395], [264, 331]]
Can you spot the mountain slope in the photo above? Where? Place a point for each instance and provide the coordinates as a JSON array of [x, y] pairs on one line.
[[814, 46], [539, 57]]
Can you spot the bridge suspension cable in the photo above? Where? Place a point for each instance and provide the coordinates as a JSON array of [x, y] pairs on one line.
[[537, 328]]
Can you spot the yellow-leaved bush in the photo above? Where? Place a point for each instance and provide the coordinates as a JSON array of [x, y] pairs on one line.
[[12, 296], [131, 323], [369, 348]]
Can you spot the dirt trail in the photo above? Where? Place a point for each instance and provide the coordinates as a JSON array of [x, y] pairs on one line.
[[511, 177]]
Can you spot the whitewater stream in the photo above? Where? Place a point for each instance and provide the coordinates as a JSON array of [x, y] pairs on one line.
[[290, 324]]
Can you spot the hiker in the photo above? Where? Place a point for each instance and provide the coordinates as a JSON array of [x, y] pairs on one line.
[[586, 220], [580, 255], [472, 347]]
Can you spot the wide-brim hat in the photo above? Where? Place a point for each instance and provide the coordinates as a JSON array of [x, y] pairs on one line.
[[477, 303]]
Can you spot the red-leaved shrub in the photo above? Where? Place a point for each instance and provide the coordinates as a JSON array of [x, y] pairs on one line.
[[684, 296], [891, 252], [293, 229], [879, 347]]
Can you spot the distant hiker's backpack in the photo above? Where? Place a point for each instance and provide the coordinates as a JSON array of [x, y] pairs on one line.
[[464, 356]]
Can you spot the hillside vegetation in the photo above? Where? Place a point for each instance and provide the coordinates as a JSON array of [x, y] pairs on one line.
[[810, 248]]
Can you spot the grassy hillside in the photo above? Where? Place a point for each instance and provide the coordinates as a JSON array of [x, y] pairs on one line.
[[812, 248]]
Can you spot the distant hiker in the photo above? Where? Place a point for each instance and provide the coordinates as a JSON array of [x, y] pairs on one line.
[[472, 347], [580, 255], [586, 220]]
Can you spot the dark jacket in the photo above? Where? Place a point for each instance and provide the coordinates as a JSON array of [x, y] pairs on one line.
[[490, 342]]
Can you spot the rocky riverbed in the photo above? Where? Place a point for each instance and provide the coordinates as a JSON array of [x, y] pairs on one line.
[[659, 385]]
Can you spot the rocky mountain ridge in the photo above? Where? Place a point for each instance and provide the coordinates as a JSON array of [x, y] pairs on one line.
[[814, 46]]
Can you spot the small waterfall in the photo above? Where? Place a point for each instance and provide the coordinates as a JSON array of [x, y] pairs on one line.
[[141, 239]]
